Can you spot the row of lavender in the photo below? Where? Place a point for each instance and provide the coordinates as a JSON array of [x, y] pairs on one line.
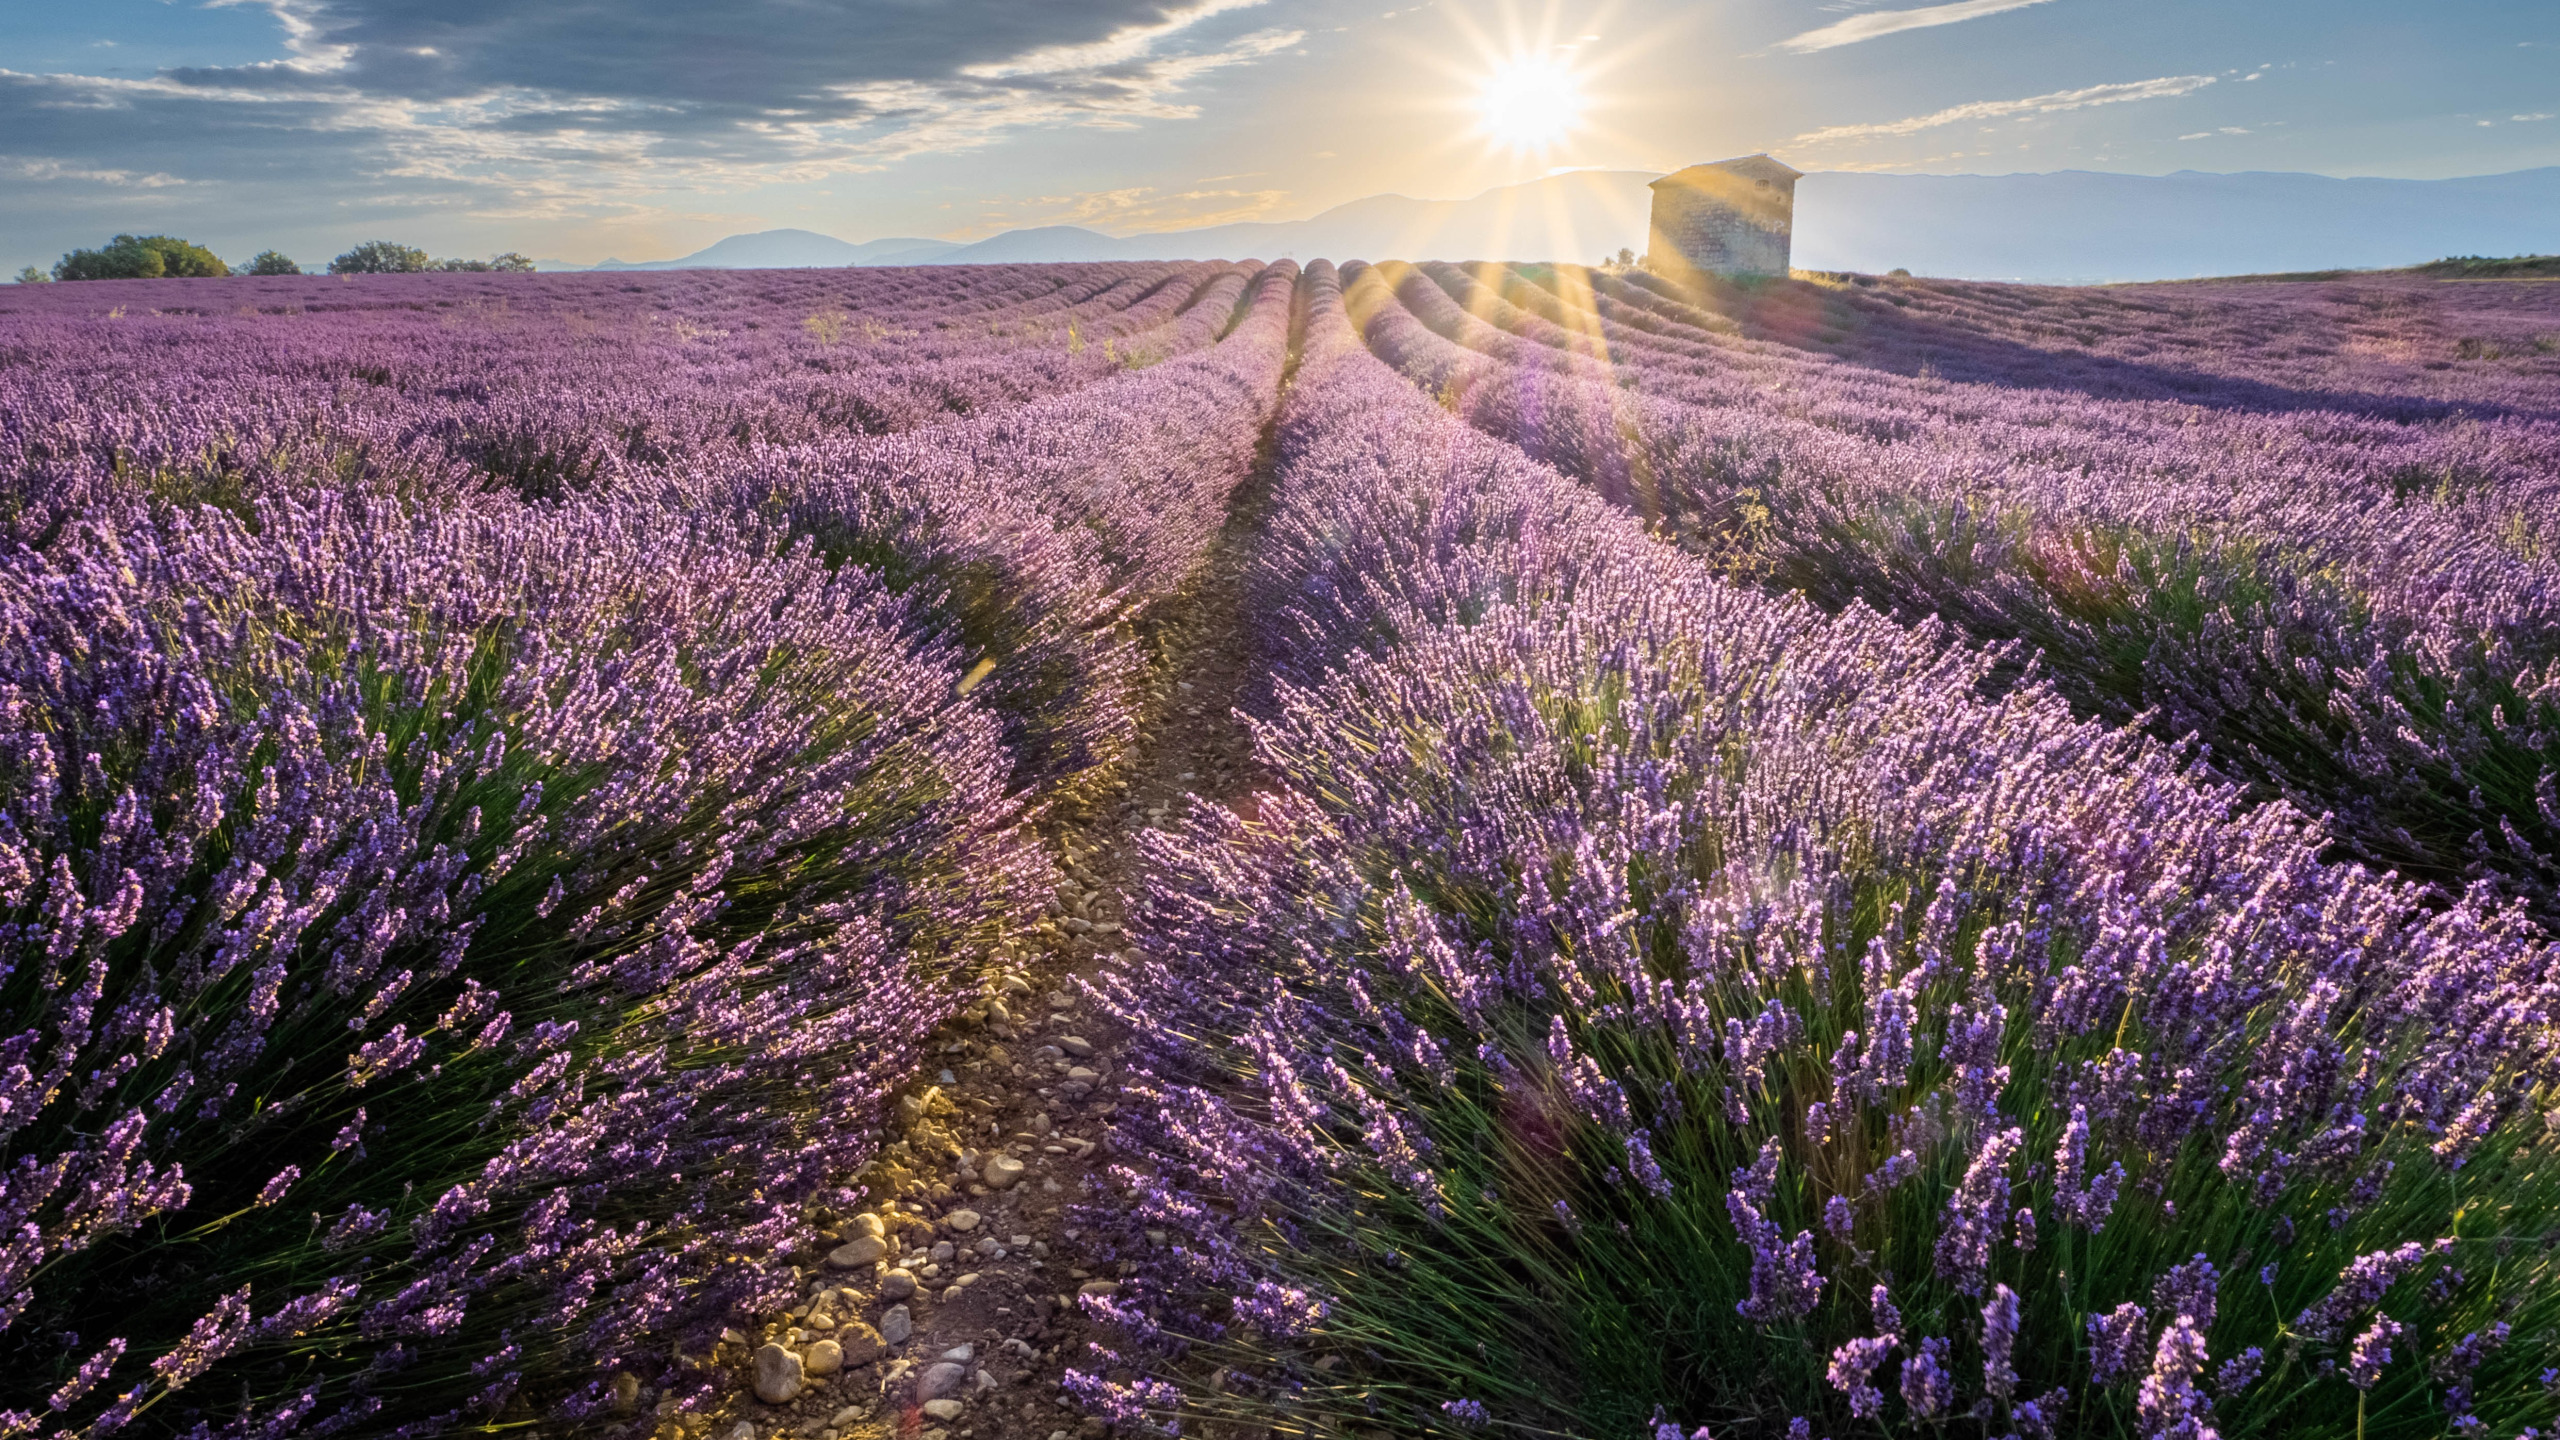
[[2480, 433], [2382, 652], [2409, 343], [452, 940], [541, 384], [1643, 1001]]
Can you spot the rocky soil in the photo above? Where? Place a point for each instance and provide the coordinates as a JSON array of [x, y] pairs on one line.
[[947, 1309]]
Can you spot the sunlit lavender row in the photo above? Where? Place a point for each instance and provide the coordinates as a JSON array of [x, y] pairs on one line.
[[457, 926], [1641, 1003], [540, 384], [2348, 600]]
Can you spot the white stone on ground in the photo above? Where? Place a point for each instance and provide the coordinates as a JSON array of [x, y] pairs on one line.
[[860, 1251], [779, 1376]]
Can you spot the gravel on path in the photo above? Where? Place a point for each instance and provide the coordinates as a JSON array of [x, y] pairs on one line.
[[946, 1309]]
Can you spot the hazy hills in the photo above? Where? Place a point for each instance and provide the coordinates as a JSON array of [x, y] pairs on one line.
[[788, 249], [2067, 226]]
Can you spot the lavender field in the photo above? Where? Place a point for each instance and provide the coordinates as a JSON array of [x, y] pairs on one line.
[[1847, 856]]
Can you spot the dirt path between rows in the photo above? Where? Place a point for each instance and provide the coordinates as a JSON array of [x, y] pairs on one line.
[[950, 1302]]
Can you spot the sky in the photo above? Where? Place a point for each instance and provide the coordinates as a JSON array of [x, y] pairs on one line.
[[646, 129]]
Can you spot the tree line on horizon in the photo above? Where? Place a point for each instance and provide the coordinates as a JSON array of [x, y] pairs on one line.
[[155, 257]]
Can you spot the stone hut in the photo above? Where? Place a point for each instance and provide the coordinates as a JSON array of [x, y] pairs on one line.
[[1734, 217]]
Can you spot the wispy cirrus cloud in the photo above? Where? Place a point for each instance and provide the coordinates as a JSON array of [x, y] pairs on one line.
[[1893, 22], [2162, 88]]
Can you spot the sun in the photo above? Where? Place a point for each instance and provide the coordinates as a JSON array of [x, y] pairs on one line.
[[1529, 103]]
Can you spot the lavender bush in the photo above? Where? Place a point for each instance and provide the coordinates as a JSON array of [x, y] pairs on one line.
[[1643, 1002], [448, 943]]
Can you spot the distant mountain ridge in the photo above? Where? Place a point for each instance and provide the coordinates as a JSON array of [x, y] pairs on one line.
[[790, 249], [2063, 227]]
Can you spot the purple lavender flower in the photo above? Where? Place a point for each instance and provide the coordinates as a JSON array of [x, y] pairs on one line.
[[1641, 1164], [2372, 1350], [2082, 1199], [86, 1378], [2239, 1372], [1888, 1317], [2360, 1286], [1852, 1373], [1999, 1343], [2190, 1289], [2115, 1343], [1974, 1214], [2169, 1404], [1838, 1219], [2460, 1361], [2034, 1418], [1784, 1283], [1134, 1403], [1927, 1387], [1281, 1310]]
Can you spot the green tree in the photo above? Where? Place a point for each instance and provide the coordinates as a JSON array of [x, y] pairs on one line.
[[141, 257], [32, 276], [271, 262], [380, 257], [509, 263]]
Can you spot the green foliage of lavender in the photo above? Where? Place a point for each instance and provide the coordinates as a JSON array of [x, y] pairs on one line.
[[1640, 1001]]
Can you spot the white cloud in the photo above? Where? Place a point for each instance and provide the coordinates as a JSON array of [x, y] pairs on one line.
[[2162, 88], [942, 116], [1129, 42], [522, 149], [121, 179], [2536, 115], [1889, 22]]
